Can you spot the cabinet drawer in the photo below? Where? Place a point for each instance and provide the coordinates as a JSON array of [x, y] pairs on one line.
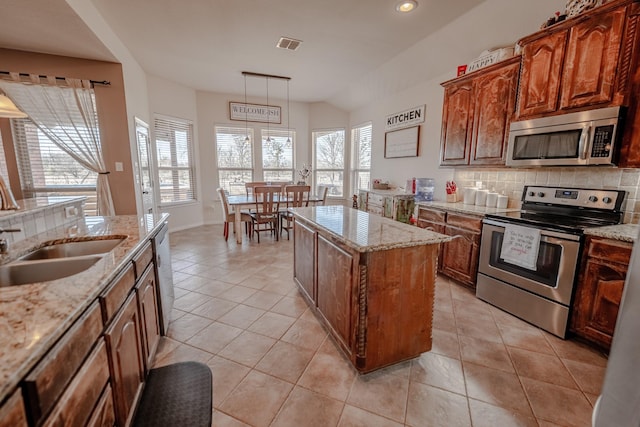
[[431, 215], [12, 413], [465, 221], [375, 199], [438, 228], [104, 414], [114, 296], [610, 250], [142, 259], [375, 210], [78, 401], [44, 385]]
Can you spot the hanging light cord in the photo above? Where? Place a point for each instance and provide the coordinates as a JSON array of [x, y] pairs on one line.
[[288, 115], [268, 113]]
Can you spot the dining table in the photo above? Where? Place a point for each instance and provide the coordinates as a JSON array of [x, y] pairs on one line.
[[240, 201]]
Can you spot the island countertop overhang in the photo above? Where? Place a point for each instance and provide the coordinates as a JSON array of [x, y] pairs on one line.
[[364, 232]]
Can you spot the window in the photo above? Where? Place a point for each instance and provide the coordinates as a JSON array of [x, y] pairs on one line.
[[361, 165], [277, 155], [235, 158], [174, 150], [46, 170], [328, 160]]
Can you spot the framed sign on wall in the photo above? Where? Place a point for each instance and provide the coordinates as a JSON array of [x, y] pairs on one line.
[[255, 112], [402, 142]]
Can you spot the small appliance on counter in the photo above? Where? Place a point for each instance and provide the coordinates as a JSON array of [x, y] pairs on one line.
[[424, 189]]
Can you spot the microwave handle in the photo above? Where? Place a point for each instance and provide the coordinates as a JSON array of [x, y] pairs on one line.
[[583, 147]]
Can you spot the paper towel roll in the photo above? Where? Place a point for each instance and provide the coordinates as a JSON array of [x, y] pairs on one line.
[[470, 195], [503, 201]]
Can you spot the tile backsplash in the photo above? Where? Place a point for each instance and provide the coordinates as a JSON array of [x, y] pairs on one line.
[[512, 181]]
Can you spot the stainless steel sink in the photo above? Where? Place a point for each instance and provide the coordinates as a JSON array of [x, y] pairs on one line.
[[73, 249], [23, 272]]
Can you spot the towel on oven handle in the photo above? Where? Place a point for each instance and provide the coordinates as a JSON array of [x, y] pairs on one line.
[[520, 246]]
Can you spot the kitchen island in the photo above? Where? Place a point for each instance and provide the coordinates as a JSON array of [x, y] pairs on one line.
[[370, 281]]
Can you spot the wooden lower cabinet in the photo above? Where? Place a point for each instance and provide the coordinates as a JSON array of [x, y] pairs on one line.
[[458, 259], [12, 412], [104, 415], [77, 403], [124, 345], [599, 290], [148, 308], [376, 305]]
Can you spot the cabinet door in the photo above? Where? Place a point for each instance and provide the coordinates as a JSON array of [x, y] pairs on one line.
[[124, 347], [362, 200], [591, 60], [148, 307], [456, 124], [404, 209], [494, 104], [304, 255], [460, 256], [388, 207], [12, 413], [541, 74], [335, 281]]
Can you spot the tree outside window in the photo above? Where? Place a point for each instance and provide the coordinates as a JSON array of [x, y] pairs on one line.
[[329, 161]]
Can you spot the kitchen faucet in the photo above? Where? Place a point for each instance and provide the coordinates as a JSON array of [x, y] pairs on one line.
[[4, 243]]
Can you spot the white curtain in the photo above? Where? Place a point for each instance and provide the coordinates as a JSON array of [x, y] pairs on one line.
[[71, 111]]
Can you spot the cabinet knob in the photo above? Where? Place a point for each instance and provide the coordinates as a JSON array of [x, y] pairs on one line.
[[540, 194], [593, 199], [607, 200]]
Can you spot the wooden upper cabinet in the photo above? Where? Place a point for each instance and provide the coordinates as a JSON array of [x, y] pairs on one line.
[[477, 111], [541, 74], [456, 123], [591, 61], [495, 95]]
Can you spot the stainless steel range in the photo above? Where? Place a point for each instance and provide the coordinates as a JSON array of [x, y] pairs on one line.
[[529, 259]]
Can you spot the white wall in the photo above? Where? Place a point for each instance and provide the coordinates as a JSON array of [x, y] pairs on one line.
[[171, 99], [413, 78]]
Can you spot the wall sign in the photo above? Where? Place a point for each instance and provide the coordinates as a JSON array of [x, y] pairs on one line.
[[255, 112], [402, 143], [405, 118]]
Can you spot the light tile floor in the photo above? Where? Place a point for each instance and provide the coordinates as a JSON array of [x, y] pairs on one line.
[[238, 310]]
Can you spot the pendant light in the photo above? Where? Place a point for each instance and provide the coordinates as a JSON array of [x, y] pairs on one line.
[[268, 112], [246, 124], [288, 117]]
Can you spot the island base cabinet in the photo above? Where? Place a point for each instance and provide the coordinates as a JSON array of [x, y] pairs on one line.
[[304, 254], [378, 305], [124, 346], [335, 291]]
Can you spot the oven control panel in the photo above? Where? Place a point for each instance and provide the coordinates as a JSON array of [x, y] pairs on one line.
[[578, 197]]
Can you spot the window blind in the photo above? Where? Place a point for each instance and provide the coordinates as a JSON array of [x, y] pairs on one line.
[[361, 157], [277, 155], [328, 158], [234, 158], [174, 152]]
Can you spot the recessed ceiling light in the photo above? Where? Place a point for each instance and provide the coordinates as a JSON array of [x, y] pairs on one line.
[[406, 6]]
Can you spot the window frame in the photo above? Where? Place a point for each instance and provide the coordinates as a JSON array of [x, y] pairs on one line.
[[175, 169], [315, 136], [279, 134], [239, 131], [356, 168]]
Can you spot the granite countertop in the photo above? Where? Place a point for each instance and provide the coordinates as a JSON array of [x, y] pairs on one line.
[[366, 233], [466, 209], [34, 316], [622, 232]]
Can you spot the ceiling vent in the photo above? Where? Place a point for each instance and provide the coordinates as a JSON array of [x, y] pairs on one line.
[[287, 43]]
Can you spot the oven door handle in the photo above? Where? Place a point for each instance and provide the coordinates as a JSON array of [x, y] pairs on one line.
[[543, 233]]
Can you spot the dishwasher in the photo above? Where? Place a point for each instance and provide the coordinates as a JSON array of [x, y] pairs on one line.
[[164, 275]]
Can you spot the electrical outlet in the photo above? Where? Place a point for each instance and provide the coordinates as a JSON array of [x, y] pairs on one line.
[[70, 211], [119, 167]]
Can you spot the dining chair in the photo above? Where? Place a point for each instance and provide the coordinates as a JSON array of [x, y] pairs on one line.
[[297, 196], [265, 217], [230, 216], [249, 186], [322, 194]]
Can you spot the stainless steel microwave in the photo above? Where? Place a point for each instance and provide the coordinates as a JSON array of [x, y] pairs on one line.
[[572, 139]]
